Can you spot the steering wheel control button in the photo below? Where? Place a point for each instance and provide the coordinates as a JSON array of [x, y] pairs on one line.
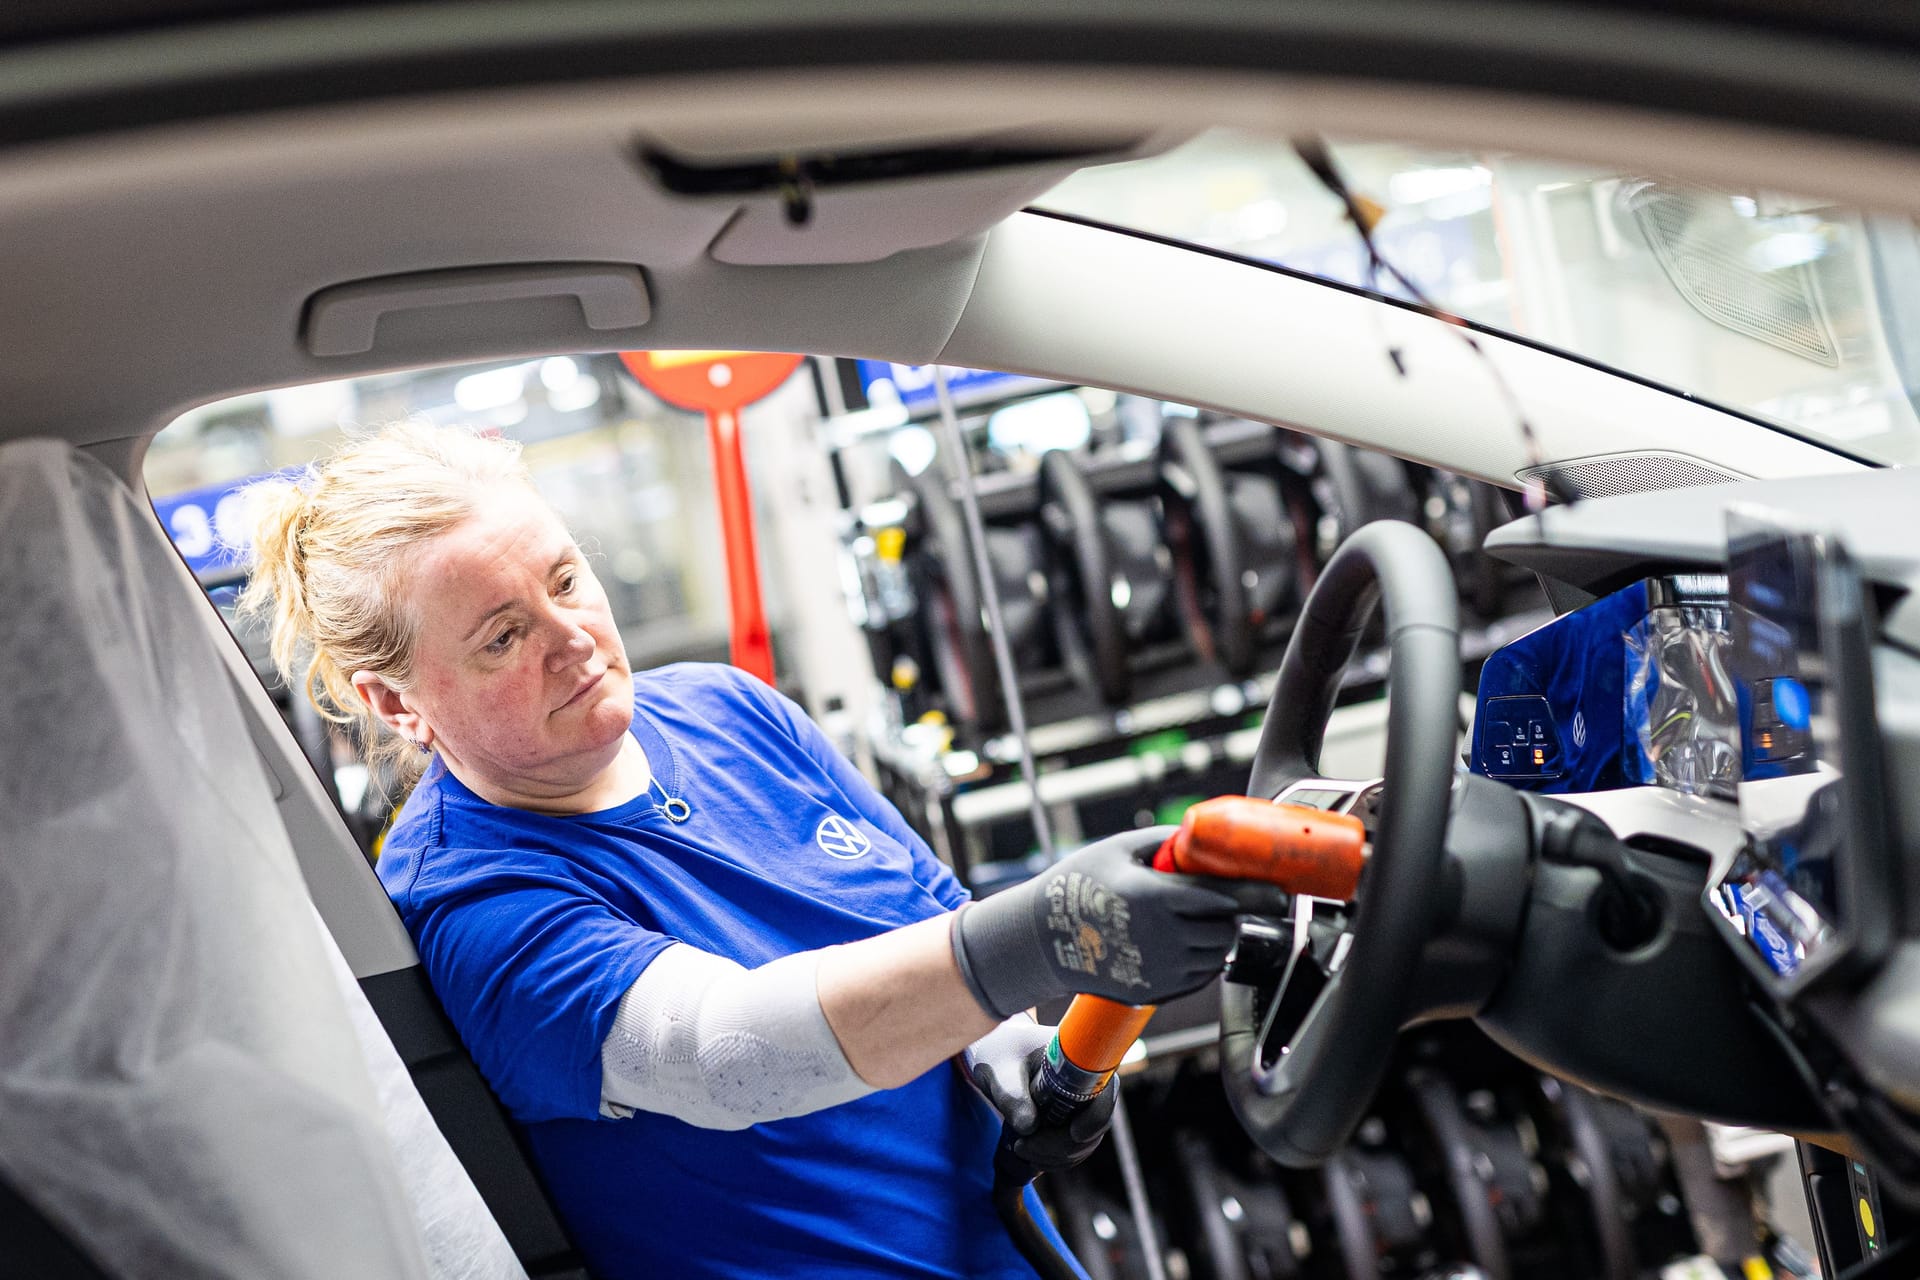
[[1260, 955]]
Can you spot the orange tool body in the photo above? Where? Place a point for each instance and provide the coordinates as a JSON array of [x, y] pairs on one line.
[[1304, 851]]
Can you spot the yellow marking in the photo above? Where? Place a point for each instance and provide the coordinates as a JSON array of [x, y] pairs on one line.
[[1092, 945], [674, 359], [1756, 1268], [1866, 1217], [890, 543]]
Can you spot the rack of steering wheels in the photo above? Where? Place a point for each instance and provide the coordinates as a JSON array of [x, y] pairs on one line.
[[1469, 1164], [1148, 590]]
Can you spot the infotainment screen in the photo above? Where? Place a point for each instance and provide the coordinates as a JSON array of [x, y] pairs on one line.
[[1797, 896]]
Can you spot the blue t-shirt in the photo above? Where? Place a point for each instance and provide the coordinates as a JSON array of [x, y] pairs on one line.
[[533, 926]]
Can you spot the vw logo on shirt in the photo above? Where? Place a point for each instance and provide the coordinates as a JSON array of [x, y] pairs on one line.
[[841, 839]]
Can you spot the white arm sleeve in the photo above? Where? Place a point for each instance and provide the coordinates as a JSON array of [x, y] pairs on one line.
[[702, 1039]]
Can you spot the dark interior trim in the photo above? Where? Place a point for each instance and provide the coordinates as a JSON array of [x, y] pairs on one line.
[[33, 1248], [473, 1121], [1849, 69]]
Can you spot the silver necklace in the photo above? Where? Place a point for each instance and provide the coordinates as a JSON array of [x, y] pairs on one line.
[[676, 809]]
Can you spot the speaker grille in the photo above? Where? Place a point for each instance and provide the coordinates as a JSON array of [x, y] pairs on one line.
[[1628, 473], [1701, 244]]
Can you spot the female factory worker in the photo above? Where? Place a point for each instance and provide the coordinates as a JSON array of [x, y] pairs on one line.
[[709, 970]]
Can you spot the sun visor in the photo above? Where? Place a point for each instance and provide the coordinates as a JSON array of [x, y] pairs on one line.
[[181, 1088], [855, 202], [867, 223]]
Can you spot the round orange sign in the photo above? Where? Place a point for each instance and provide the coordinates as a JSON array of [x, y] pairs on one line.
[[710, 381]]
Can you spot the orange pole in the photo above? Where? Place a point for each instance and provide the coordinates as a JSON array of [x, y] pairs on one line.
[[750, 642]]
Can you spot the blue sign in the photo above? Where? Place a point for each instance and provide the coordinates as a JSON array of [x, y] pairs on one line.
[[913, 383], [209, 525]]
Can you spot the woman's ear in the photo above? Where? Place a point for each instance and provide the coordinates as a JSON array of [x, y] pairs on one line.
[[391, 708]]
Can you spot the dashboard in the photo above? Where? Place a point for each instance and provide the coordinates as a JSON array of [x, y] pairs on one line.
[[1751, 651], [1752, 686]]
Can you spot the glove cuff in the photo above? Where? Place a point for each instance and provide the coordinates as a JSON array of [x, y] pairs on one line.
[[1001, 958], [960, 958]]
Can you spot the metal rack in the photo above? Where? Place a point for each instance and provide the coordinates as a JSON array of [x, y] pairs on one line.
[[960, 794]]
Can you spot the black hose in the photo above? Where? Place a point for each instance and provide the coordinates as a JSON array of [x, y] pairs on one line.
[[1010, 1202], [1011, 1178]]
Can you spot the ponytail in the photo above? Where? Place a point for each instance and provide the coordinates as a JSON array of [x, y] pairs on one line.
[[329, 554]]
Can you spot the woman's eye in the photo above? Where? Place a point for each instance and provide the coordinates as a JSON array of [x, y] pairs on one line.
[[568, 583], [501, 642]]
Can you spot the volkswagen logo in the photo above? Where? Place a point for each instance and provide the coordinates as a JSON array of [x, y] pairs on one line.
[[839, 838]]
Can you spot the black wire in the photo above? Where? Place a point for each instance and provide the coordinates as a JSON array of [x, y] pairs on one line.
[[1541, 484], [1010, 1202]]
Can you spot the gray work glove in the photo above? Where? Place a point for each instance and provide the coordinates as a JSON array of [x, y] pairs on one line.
[[1102, 921], [1001, 1065]]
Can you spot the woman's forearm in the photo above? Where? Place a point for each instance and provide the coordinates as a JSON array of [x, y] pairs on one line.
[[897, 1002]]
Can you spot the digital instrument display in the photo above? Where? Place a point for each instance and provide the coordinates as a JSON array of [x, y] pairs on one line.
[[1800, 628], [1629, 691]]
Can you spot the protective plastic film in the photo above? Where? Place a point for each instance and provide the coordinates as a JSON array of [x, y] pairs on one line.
[[1681, 704], [181, 1090], [461, 1239]]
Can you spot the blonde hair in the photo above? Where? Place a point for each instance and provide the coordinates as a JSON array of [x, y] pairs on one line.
[[328, 555]]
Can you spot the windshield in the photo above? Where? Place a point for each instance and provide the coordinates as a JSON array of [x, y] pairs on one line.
[[1798, 312]]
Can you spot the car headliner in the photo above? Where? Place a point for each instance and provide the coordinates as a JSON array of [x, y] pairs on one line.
[[174, 194]]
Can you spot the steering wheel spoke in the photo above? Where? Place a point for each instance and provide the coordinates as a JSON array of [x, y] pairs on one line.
[[1335, 795]]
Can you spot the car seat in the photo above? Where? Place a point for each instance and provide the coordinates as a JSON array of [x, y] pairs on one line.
[[191, 1083]]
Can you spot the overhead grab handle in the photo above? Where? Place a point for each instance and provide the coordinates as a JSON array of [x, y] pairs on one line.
[[342, 320]]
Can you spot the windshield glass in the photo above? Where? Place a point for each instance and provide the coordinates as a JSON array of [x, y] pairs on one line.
[[1793, 310]]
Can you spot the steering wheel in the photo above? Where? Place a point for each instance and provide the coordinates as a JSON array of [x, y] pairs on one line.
[[1184, 445], [962, 653], [1089, 623], [1301, 1102]]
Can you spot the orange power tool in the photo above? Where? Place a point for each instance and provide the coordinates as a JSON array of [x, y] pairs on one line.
[[1304, 851]]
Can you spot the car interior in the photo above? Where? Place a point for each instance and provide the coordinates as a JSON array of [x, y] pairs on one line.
[[1622, 675]]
